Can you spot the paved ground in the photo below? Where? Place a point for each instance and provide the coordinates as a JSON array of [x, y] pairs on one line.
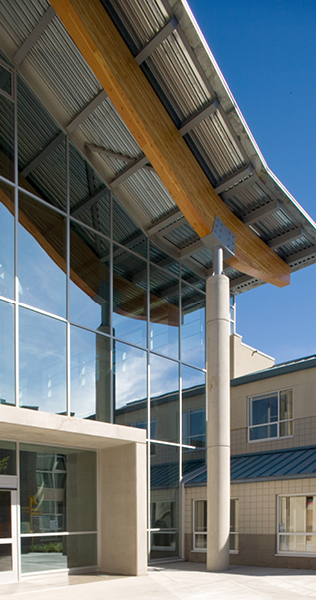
[[176, 581]]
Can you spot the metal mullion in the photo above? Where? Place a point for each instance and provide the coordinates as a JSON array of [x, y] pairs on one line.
[[112, 399], [68, 361], [18, 517], [148, 403], [16, 228], [180, 491]]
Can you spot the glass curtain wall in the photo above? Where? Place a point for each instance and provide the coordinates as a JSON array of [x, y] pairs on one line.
[[96, 321]]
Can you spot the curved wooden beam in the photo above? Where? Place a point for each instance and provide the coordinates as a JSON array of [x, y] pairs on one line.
[[113, 64]]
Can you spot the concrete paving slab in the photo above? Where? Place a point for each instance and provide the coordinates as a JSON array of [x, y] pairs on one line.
[[173, 581]]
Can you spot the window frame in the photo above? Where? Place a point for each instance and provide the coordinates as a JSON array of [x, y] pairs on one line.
[[194, 533], [285, 533], [278, 422]]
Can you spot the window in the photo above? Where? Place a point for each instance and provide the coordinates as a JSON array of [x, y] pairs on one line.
[[270, 415], [162, 525], [297, 524], [194, 427], [200, 526]]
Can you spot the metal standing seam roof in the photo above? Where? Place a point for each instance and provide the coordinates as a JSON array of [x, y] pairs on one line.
[[294, 463], [300, 364], [185, 76]]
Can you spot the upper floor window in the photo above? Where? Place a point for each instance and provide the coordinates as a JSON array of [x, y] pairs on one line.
[[270, 415]]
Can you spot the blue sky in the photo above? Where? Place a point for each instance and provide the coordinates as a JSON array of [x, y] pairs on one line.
[[266, 50]]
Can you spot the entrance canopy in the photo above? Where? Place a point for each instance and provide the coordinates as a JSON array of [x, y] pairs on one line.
[[138, 91]]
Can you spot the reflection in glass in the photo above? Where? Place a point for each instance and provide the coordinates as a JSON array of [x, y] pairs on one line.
[[53, 553], [7, 458], [159, 257], [5, 80], [164, 313], [89, 272], [6, 241], [5, 514], [164, 392], [42, 257], [6, 138], [90, 378], [42, 362], [58, 489], [193, 327], [192, 278], [130, 385], [193, 418], [7, 369], [164, 505], [89, 197], [129, 297], [5, 557], [126, 231], [41, 149]]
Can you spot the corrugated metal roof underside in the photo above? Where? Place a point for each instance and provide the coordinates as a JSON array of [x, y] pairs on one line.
[[177, 77], [294, 463]]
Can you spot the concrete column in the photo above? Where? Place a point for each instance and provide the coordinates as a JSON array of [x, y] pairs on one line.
[[123, 509], [218, 422]]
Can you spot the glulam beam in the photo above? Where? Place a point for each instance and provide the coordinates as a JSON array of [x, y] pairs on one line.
[[105, 51]]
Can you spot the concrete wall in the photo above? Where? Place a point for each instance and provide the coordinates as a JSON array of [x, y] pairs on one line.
[[244, 359], [257, 523], [123, 509], [303, 384]]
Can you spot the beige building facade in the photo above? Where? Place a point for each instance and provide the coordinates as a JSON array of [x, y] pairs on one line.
[[273, 487]]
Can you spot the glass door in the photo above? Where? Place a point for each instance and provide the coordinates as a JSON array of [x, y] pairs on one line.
[[8, 554]]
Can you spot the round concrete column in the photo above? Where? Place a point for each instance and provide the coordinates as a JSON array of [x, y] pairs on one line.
[[218, 422]]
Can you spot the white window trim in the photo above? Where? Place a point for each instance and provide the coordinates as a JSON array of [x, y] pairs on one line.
[[291, 553], [278, 422], [194, 533]]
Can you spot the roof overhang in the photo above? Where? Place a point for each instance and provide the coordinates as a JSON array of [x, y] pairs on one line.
[[108, 56]]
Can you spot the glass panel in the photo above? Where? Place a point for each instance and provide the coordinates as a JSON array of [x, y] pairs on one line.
[[6, 138], [286, 405], [259, 433], [89, 197], [200, 541], [42, 362], [130, 387], [90, 379], [6, 241], [200, 514], [7, 458], [41, 149], [164, 509], [62, 498], [191, 277], [126, 231], [5, 80], [193, 327], [234, 542], [162, 259], [129, 297], [264, 409], [193, 418], [7, 360], [5, 514], [42, 257], [164, 313], [286, 428], [164, 391], [58, 552], [5, 557], [89, 272]]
